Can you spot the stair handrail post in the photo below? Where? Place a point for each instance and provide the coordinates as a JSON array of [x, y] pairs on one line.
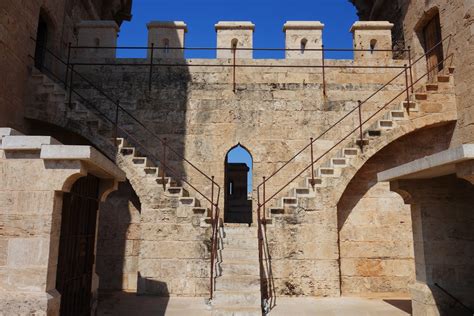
[[71, 80], [312, 163], [117, 109], [264, 201], [164, 163], [411, 69], [361, 145], [234, 67], [324, 69], [212, 196], [68, 62], [407, 89], [152, 50]]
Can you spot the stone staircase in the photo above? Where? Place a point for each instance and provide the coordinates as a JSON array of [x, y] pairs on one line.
[[51, 105], [237, 283], [427, 99]]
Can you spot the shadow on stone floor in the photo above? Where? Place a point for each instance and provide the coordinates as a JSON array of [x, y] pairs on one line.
[[404, 305], [121, 303]]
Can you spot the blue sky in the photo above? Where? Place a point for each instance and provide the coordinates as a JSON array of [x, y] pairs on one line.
[[268, 16]]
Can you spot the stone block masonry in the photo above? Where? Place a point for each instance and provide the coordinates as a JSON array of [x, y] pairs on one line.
[[34, 173]]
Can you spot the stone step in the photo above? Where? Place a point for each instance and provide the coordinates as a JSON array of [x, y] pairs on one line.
[[234, 243], [237, 283], [200, 211], [397, 115], [385, 124], [241, 235], [120, 142], [241, 298], [151, 171], [410, 105], [431, 87], [237, 311], [142, 162], [178, 191], [238, 267], [189, 201], [420, 96], [127, 151], [308, 182], [350, 152], [231, 254], [338, 162], [303, 192], [326, 172], [364, 142], [373, 133], [277, 210], [244, 229], [165, 181], [443, 78], [289, 201]]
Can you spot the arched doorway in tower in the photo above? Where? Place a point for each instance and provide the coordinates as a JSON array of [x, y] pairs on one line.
[[238, 186]]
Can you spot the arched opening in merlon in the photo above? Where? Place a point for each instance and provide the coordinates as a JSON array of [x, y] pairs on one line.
[[303, 43], [234, 43], [238, 186]]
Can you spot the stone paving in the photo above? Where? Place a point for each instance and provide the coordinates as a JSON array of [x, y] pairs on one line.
[[122, 303]]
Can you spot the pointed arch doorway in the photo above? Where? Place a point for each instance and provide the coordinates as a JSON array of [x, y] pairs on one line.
[[238, 186]]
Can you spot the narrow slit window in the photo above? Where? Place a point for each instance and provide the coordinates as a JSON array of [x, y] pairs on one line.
[[166, 46], [373, 44], [303, 43], [234, 43]]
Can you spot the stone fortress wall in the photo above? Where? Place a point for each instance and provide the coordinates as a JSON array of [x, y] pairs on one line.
[[273, 113]]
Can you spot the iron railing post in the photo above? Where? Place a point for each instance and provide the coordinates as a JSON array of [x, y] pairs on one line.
[[411, 68], [312, 164], [164, 163], [212, 196], [151, 66], [234, 69], [117, 108], [407, 89], [264, 202], [324, 70], [70, 86], [214, 221], [360, 127], [67, 64]]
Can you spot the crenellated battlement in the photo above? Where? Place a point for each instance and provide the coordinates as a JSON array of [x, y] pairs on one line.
[[303, 40]]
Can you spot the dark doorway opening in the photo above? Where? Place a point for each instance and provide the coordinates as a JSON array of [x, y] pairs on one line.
[[433, 46], [238, 188], [41, 42], [76, 247]]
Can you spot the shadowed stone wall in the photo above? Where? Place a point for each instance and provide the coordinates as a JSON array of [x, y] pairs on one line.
[[375, 225], [19, 22]]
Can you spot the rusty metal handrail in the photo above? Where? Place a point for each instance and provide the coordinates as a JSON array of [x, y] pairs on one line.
[[261, 219], [407, 71], [214, 204]]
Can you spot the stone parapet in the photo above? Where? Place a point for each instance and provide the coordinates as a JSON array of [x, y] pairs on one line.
[[96, 34], [234, 35], [167, 36], [302, 36], [371, 36]]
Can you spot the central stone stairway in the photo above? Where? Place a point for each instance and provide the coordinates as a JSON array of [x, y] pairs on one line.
[[237, 287]]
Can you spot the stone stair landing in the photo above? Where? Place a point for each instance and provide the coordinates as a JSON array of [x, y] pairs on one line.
[[237, 285]]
